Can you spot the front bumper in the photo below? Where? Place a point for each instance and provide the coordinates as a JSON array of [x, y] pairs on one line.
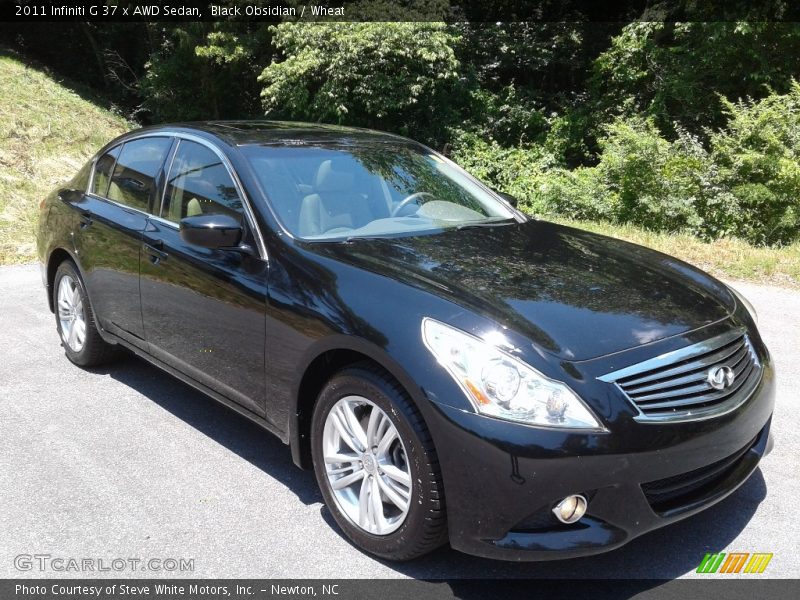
[[502, 479]]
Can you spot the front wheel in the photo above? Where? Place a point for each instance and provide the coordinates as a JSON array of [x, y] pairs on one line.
[[376, 465]]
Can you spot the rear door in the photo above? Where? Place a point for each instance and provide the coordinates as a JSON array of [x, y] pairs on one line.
[[203, 309], [113, 215]]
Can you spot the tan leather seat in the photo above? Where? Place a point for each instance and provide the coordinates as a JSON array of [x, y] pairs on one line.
[[338, 201]]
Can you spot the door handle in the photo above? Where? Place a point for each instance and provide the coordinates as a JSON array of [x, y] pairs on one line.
[[86, 220], [156, 255]]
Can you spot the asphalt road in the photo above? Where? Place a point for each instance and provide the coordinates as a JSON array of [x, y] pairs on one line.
[[127, 462]]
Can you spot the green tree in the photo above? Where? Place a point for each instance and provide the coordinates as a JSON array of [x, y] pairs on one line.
[[527, 81], [401, 77], [206, 71], [675, 72]]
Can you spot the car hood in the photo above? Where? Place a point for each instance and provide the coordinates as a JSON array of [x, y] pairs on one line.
[[574, 294]]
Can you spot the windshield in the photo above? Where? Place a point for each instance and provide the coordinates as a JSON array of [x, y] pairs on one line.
[[338, 192]]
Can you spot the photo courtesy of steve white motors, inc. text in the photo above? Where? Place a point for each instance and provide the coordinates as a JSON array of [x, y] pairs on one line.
[[172, 590]]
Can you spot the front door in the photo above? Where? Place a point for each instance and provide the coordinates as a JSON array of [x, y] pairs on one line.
[[204, 309]]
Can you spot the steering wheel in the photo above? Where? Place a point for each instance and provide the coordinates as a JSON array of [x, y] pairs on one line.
[[408, 200]]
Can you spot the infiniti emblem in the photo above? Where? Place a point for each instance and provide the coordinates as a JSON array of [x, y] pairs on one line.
[[720, 378], [369, 464]]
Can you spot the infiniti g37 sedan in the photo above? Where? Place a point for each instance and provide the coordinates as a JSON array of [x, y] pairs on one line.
[[452, 370]]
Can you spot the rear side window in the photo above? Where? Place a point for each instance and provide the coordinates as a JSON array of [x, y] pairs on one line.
[[133, 182], [103, 169], [199, 184]]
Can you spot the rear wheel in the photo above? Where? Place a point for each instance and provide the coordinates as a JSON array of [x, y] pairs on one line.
[[75, 320], [376, 466]]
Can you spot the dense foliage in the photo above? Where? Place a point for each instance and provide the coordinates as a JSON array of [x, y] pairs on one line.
[[388, 76], [675, 72], [745, 182], [205, 71], [686, 126]]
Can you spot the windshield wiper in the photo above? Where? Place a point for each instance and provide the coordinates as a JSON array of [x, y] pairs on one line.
[[500, 223], [361, 238]]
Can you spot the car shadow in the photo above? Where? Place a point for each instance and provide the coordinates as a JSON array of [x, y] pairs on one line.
[[223, 425], [664, 554]]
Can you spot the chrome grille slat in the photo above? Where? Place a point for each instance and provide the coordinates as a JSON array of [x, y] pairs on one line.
[[703, 362], [712, 409], [740, 365], [702, 387], [685, 380], [683, 390], [696, 374], [699, 399], [675, 386]]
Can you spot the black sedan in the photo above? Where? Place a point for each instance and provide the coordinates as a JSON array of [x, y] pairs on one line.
[[451, 369]]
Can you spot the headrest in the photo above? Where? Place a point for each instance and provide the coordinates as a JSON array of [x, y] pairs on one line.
[[331, 179]]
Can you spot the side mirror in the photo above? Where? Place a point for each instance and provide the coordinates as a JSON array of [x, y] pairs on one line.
[[512, 200], [70, 196], [211, 231]]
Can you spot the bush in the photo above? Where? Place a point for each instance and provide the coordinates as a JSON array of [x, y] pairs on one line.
[[509, 117], [533, 176], [578, 194], [746, 185], [515, 170], [573, 137], [650, 181], [757, 156]]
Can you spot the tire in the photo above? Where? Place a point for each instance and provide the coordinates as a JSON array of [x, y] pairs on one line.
[[75, 317], [399, 535]]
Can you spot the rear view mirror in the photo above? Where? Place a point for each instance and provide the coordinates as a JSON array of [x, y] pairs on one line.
[[211, 231]]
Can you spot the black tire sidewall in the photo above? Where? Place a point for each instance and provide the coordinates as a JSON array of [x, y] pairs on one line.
[[354, 382]]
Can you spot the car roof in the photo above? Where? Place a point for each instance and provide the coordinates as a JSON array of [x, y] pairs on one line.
[[238, 133]]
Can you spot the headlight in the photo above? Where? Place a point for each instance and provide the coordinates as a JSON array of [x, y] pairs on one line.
[[502, 386], [746, 304]]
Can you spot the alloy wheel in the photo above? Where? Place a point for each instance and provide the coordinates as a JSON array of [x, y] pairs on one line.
[[71, 316], [366, 465]]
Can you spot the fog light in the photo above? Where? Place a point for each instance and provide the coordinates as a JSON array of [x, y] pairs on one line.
[[570, 509]]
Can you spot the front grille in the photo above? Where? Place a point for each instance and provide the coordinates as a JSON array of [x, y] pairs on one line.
[[664, 494], [675, 386]]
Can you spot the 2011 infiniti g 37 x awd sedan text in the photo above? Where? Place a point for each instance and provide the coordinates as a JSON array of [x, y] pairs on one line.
[[451, 369]]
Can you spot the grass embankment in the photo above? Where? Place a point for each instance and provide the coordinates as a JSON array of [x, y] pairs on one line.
[[47, 132]]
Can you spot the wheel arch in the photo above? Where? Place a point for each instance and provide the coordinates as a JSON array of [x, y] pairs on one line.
[[56, 257], [324, 361]]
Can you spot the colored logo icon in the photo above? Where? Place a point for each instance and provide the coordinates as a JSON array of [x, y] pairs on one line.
[[735, 562]]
